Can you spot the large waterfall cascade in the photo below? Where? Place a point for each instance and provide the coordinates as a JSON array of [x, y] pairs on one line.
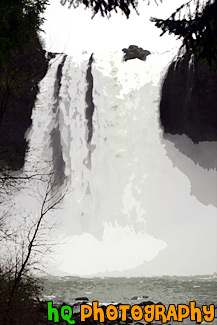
[[126, 208]]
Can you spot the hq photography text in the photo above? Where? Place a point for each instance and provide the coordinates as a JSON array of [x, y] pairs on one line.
[[150, 313]]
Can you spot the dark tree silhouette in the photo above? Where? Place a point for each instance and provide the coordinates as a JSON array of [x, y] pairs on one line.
[[22, 248], [196, 24], [20, 20], [105, 7]]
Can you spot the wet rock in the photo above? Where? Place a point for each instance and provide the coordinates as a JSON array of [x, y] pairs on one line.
[[82, 299], [135, 52], [145, 303], [139, 297], [129, 320]]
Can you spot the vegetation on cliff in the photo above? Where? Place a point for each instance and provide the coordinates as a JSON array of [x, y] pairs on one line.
[[196, 24], [22, 66], [18, 90], [20, 21]]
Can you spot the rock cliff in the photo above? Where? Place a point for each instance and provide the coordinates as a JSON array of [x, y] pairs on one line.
[[135, 52], [18, 90], [189, 100]]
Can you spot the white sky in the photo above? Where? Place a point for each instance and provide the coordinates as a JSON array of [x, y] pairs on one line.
[[73, 30]]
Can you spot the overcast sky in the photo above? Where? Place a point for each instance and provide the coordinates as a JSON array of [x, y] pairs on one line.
[[73, 30]]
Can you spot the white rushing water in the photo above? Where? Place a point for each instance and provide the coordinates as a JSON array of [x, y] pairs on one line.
[[127, 209]]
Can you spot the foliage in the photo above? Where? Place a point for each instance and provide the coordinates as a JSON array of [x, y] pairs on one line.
[[23, 244], [197, 28], [20, 20], [22, 308], [105, 7]]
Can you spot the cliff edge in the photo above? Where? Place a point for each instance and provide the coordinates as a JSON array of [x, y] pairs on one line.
[[189, 100], [18, 90]]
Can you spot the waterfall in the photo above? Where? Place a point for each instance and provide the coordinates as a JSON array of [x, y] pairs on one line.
[[126, 208]]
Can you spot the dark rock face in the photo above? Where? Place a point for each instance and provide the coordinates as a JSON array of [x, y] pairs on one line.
[[17, 100], [189, 100], [139, 297], [58, 161], [135, 52], [89, 99], [82, 299]]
